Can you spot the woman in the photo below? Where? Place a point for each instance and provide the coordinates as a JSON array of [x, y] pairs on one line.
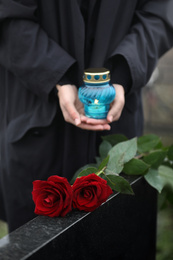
[[44, 48]]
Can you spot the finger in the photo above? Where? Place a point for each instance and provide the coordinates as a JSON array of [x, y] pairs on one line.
[[96, 121], [83, 118], [84, 125], [94, 127], [117, 105], [71, 115], [115, 111], [93, 121]]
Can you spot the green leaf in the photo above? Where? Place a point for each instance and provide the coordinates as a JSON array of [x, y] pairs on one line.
[[147, 143], [80, 170], [115, 138], [104, 149], [169, 193], [98, 160], [159, 145], [121, 154], [153, 178], [162, 200], [168, 164], [103, 163], [135, 167], [88, 171], [170, 153], [165, 198], [119, 184], [166, 174], [109, 172], [155, 159]]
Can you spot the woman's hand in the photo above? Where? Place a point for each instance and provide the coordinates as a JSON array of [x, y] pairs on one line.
[[116, 108], [73, 111]]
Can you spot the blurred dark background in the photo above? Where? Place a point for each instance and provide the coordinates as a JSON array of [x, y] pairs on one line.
[[158, 112]]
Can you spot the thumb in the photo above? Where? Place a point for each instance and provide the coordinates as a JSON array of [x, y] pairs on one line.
[[72, 114]]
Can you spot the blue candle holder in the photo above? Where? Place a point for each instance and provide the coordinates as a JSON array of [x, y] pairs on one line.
[[96, 94]]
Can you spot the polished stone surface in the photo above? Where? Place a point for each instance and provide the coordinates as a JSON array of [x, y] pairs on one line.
[[122, 228]]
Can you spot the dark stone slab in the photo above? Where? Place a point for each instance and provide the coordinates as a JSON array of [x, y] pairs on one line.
[[122, 228]]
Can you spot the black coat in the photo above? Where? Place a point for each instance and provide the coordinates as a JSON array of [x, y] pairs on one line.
[[45, 42], [41, 40]]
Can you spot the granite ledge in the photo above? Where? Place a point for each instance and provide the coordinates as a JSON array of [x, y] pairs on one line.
[[37, 233]]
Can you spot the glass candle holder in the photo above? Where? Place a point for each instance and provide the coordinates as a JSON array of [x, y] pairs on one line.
[[97, 93]]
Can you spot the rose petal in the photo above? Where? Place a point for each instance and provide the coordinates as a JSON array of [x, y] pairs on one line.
[[52, 197], [90, 192]]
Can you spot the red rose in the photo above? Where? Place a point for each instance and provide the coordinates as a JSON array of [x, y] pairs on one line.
[[89, 192], [52, 197]]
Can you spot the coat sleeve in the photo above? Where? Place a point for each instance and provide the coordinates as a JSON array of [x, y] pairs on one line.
[[27, 51], [149, 37]]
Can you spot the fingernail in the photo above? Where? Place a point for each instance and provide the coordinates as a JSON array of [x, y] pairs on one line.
[[108, 128], [77, 121], [110, 118]]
